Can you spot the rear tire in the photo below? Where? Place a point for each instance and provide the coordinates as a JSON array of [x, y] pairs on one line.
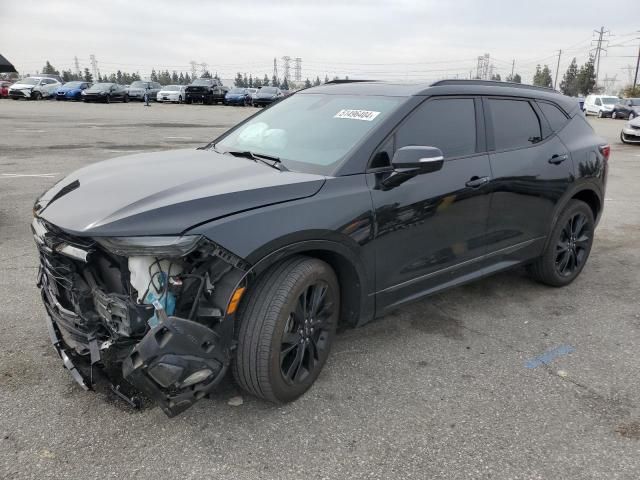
[[568, 246], [287, 324], [600, 114]]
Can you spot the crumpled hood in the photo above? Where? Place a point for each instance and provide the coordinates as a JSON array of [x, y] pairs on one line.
[[166, 193]]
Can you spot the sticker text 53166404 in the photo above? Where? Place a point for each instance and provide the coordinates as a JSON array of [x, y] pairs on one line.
[[366, 115]]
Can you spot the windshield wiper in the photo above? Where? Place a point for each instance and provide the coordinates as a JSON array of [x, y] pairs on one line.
[[273, 162]]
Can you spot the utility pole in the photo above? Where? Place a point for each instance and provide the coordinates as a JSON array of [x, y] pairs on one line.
[[193, 64], [77, 65], [298, 69], [513, 67], [635, 79], [555, 82], [275, 70], [599, 49], [286, 64], [94, 67]]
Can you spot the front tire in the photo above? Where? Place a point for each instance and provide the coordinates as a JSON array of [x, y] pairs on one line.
[[568, 247], [287, 324], [632, 116], [600, 115], [36, 96]]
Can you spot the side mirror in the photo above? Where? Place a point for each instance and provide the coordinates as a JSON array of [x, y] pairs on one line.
[[411, 161], [418, 159]]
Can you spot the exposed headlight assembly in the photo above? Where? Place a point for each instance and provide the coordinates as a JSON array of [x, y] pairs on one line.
[[150, 246]]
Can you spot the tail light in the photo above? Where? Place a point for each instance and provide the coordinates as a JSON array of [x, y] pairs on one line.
[[605, 150]]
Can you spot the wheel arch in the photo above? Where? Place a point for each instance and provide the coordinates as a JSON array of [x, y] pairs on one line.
[[356, 306]]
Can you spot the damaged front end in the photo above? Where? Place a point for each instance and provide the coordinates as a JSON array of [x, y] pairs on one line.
[[152, 314]]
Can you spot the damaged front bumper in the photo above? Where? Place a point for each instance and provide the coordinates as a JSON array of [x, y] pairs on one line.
[[174, 355]]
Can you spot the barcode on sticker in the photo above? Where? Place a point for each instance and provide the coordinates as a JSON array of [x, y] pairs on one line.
[[366, 115]]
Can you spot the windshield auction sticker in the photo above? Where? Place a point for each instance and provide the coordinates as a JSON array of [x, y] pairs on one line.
[[366, 115]]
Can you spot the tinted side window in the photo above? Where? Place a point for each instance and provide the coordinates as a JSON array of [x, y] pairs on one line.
[[515, 124], [554, 115], [449, 124]]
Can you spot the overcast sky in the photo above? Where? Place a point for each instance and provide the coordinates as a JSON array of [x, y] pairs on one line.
[[402, 39]]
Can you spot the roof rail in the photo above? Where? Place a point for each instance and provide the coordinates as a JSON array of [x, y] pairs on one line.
[[338, 81], [492, 83]]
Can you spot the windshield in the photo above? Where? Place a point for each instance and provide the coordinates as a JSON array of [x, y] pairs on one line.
[[310, 133], [73, 84], [634, 101], [268, 90], [101, 86], [236, 91], [252, 90], [610, 100], [29, 81], [171, 88], [139, 84], [202, 81]]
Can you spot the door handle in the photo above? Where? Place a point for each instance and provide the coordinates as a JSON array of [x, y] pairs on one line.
[[475, 182], [557, 159]]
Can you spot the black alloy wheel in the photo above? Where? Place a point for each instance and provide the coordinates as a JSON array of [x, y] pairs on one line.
[[573, 244], [306, 332], [287, 322], [568, 246]]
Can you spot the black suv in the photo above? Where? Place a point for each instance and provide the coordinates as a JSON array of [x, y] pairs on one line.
[[205, 90], [338, 204]]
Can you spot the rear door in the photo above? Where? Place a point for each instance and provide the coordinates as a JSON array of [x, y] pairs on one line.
[[431, 228], [532, 169]]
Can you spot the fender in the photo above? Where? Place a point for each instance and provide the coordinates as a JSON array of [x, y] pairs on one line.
[[578, 187], [358, 306]]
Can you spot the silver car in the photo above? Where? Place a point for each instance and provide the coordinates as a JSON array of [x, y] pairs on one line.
[[631, 131], [140, 87], [34, 88]]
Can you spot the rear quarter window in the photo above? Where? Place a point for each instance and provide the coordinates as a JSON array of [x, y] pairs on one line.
[[556, 118]]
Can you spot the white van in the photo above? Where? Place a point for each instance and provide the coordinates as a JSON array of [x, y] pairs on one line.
[[600, 105]]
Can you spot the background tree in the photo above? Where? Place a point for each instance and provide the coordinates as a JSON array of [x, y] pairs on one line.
[[239, 82], [206, 74], [181, 79], [307, 83], [542, 77], [569, 83], [257, 83], [516, 78], [250, 84], [87, 75], [317, 81], [174, 77], [188, 79], [630, 91], [274, 81], [154, 75], [265, 81], [284, 85], [496, 77], [245, 81], [49, 69], [587, 77]]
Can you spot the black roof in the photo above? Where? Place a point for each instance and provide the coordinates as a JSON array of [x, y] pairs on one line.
[[444, 87]]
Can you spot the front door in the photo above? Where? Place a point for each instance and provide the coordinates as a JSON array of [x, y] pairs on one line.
[[431, 228]]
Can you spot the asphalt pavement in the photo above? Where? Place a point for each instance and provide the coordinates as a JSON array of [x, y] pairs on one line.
[[502, 379]]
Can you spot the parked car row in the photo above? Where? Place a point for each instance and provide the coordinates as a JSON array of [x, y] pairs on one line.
[[613, 107], [207, 91]]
